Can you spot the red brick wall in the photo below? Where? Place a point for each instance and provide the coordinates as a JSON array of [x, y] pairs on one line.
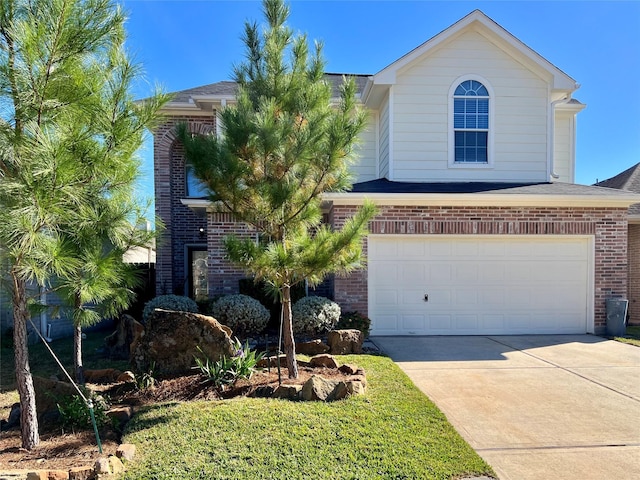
[[634, 274], [182, 225], [607, 225], [223, 275]]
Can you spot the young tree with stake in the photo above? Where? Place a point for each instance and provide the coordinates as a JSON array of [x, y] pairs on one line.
[[68, 133], [285, 144]]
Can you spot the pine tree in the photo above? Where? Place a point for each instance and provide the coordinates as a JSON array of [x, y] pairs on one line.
[[285, 143], [68, 133]]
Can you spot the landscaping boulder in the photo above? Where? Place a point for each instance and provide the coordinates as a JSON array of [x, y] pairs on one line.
[[314, 347], [171, 340], [48, 392], [324, 360], [318, 388], [126, 451], [119, 342], [344, 342]]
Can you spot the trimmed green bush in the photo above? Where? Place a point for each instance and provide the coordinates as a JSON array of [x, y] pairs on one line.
[[169, 302], [314, 315], [354, 320], [243, 314]]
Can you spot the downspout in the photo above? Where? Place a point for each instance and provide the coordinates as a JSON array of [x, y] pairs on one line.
[[552, 133]]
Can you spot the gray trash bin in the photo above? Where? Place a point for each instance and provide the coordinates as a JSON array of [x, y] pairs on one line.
[[617, 317]]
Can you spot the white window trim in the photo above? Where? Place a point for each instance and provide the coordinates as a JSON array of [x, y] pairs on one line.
[[451, 136]]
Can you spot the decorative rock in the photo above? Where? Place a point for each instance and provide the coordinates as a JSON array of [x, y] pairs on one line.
[[314, 347], [272, 361], [341, 391], [105, 375], [13, 420], [263, 391], [126, 451], [318, 389], [102, 466], [126, 377], [48, 475], [356, 388], [81, 473], [48, 391], [324, 360], [171, 340], [120, 414], [290, 392], [348, 368], [119, 342], [116, 465], [343, 342], [359, 378]]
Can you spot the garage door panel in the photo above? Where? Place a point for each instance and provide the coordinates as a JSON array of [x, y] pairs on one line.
[[479, 285]]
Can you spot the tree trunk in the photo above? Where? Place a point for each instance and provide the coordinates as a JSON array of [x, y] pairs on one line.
[[289, 343], [77, 354], [24, 381]]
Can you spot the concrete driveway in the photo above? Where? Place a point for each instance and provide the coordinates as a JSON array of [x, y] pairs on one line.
[[534, 407]]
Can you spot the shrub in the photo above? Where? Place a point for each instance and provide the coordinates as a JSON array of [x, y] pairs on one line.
[[313, 315], [243, 314], [227, 371], [75, 416], [169, 302], [354, 320]]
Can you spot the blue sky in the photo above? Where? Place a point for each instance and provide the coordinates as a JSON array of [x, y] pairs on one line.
[[184, 44]]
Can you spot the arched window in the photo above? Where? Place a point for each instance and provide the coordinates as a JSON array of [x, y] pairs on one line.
[[194, 186], [471, 124]]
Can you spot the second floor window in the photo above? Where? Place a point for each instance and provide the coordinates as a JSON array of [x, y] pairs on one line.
[[471, 123], [194, 186]]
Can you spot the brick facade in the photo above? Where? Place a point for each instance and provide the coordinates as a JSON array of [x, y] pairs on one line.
[[607, 225], [182, 225], [634, 274]]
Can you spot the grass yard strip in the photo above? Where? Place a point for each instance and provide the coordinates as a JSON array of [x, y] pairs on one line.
[[393, 432], [632, 337]]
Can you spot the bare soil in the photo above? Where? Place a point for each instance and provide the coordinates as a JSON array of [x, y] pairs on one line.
[[62, 451]]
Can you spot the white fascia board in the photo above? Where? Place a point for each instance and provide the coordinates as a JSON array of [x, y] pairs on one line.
[[561, 80], [214, 98], [570, 107], [180, 106], [196, 203], [482, 199]]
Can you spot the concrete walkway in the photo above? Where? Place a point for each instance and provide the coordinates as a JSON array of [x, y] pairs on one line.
[[534, 407]]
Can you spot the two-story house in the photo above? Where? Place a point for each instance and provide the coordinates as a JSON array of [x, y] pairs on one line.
[[469, 154]]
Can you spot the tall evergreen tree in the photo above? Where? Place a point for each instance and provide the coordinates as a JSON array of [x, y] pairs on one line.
[[284, 144], [68, 133]]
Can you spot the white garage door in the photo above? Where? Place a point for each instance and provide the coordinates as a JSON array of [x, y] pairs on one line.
[[442, 285]]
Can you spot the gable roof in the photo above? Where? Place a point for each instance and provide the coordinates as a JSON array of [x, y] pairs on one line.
[[479, 21], [628, 181]]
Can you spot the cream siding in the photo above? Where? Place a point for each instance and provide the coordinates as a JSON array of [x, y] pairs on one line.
[[365, 167], [421, 105], [563, 147], [384, 139]]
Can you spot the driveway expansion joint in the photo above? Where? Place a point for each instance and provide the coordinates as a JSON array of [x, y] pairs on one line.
[[566, 369]]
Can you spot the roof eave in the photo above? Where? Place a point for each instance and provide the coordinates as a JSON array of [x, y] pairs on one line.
[[482, 199]]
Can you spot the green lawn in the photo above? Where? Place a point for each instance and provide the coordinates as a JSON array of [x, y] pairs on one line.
[[393, 432], [632, 336]]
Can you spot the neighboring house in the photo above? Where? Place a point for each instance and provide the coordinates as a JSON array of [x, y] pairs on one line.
[[470, 156], [629, 181]]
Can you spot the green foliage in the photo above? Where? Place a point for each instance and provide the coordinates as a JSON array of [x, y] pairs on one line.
[[243, 314], [262, 292], [169, 302], [145, 380], [75, 416], [354, 320], [286, 143], [69, 133], [392, 432], [228, 370], [314, 315]]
